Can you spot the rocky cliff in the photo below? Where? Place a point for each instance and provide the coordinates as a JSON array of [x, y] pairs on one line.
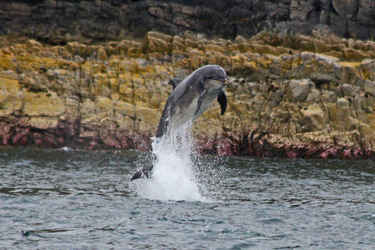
[[62, 21], [291, 95]]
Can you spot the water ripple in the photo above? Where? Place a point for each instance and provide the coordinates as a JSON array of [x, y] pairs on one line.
[[66, 199]]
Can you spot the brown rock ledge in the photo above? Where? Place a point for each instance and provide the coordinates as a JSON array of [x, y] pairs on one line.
[[291, 96]]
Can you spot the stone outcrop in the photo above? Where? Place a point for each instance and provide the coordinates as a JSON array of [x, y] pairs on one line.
[[291, 95], [62, 21]]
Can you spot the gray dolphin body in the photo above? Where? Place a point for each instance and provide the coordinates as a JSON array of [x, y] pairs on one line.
[[189, 99], [192, 97]]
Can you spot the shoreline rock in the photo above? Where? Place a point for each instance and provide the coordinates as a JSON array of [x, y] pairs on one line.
[[291, 96]]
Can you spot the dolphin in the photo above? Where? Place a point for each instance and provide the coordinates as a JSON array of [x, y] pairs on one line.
[[192, 96], [188, 100]]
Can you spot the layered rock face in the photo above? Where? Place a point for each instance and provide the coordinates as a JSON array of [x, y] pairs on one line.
[[61, 21], [291, 95]]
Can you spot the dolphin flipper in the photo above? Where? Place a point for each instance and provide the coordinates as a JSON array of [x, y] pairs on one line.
[[222, 99], [200, 100]]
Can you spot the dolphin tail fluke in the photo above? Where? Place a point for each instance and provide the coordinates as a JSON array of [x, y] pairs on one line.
[[222, 99]]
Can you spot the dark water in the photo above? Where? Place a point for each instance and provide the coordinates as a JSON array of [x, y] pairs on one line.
[[56, 199]]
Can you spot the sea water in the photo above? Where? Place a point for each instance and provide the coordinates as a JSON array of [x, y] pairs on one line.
[[76, 199]]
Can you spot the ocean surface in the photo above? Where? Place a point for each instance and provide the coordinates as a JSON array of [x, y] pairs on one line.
[[74, 199]]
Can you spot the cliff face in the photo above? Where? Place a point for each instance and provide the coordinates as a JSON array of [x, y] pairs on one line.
[[291, 95], [91, 74], [61, 21]]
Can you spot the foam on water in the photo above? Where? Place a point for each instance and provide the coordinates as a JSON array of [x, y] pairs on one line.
[[173, 176], [66, 149]]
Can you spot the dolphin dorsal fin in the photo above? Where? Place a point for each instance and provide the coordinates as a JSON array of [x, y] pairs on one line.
[[174, 82], [222, 99]]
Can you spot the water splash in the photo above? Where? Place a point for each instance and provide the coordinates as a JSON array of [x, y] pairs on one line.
[[173, 176]]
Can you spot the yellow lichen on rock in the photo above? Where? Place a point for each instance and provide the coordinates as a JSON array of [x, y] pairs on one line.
[[10, 96], [314, 118], [43, 104], [42, 122], [291, 86]]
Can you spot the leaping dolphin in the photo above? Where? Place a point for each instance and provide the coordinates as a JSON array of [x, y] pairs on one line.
[[189, 99]]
